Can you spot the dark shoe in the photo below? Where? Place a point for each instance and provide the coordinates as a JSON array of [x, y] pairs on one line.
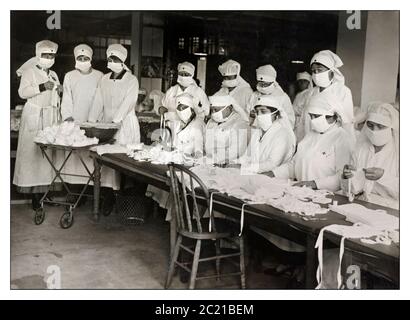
[[35, 201]]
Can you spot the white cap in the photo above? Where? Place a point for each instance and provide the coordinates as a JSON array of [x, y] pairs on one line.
[[230, 68], [187, 67], [46, 46], [83, 50], [117, 50], [266, 73]]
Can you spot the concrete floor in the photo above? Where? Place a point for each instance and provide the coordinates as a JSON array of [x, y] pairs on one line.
[[104, 255]]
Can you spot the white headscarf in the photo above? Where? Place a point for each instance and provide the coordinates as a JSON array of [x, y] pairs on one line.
[[185, 99], [326, 104], [267, 100], [305, 76], [227, 100], [331, 61], [119, 51], [384, 114], [44, 46]]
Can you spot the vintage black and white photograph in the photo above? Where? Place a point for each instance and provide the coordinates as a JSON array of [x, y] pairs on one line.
[[204, 149]]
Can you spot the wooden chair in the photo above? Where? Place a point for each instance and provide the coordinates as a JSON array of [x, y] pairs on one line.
[[193, 226]]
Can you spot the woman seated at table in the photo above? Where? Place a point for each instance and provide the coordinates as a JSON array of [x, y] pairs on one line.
[[273, 142], [226, 134], [323, 152], [374, 167], [319, 160], [188, 138]]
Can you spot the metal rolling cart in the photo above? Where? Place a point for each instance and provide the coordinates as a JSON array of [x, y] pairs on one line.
[[72, 198]]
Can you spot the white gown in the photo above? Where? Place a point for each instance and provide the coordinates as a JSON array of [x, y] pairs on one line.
[[281, 98], [78, 97], [40, 111], [114, 101], [319, 157], [385, 191], [241, 93], [201, 102], [228, 140], [269, 151]]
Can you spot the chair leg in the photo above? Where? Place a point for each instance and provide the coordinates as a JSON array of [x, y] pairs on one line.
[[242, 262], [218, 261], [195, 264], [171, 268]]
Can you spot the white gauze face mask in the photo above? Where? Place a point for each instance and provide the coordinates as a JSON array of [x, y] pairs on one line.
[[218, 116], [320, 124], [322, 79], [265, 120], [46, 63], [185, 114], [266, 90], [83, 66], [185, 81], [116, 67], [380, 137], [230, 83]]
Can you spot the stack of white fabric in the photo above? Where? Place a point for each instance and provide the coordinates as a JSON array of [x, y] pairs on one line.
[[261, 189], [65, 134]]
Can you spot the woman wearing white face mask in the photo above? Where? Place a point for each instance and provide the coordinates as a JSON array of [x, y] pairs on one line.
[[80, 86], [40, 86], [267, 86], [226, 135], [185, 84], [274, 142], [233, 84], [190, 135], [328, 79], [374, 167], [322, 153]]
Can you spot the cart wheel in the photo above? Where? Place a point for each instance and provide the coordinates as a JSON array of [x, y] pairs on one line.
[[39, 216], [67, 220]]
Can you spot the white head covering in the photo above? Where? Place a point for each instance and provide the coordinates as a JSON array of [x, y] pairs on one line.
[[266, 73], [187, 67], [270, 101], [83, 50], [326, 104], [331, 61], [230, 68], [117, 50], [384, 114], [44, 46], [304, 76], [185, 99], [227, 100]]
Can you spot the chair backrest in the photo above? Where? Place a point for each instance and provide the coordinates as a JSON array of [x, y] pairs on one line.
[[186, 209]]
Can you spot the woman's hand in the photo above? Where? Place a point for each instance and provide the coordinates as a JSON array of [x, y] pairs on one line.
[[348, 171], [373, 173], [59, 88], [49, 85], [309, 184]]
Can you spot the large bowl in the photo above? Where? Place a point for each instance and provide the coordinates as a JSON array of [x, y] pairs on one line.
[[103, 132]]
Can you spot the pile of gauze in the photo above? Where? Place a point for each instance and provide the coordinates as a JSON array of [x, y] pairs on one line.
[[65, 134]]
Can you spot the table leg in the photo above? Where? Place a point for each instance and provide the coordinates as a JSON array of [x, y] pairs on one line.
[[172, 233], [311, 262], [97, 187]]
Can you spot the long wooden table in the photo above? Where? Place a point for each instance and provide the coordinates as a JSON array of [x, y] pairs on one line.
[[378, 259]]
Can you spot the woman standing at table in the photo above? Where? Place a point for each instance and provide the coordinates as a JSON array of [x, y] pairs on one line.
[[374, 168], [41, 87], [188, 139]]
